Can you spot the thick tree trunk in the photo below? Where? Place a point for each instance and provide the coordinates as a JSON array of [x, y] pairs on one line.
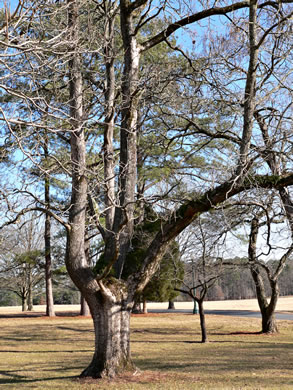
[[24, 303], [202, 321], [269, 324], [112, 339]]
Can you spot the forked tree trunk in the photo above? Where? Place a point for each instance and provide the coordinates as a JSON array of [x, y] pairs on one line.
[[112, 339], [267, 309], [106, 298], [269, 324]]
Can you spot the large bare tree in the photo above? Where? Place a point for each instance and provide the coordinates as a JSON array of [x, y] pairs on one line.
[[90, 54]]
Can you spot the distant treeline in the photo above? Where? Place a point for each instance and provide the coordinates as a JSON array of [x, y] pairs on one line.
[[237, 283], [234, 283]]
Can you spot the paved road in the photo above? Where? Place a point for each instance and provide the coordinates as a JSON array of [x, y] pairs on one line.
[[235, 313]]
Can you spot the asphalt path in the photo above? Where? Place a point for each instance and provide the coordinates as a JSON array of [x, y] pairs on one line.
[[234, 313]]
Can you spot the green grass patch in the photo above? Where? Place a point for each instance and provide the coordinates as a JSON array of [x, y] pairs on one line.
[[40, 353]]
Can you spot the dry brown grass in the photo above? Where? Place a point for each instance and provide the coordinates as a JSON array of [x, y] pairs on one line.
[[41, 353]]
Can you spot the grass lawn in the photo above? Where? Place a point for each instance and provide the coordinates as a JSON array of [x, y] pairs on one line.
[[42, 353]]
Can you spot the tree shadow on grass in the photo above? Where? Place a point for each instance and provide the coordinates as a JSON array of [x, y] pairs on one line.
[[164, 332], [209, 341], [46, 352], [237, 333], [164, 341], [76, 329], [41, 314], [12, 378]]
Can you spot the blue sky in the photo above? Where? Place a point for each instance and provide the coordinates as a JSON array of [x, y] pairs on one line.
[[12, 3]]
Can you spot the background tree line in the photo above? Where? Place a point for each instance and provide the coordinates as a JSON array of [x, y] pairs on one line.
[[237, 283]]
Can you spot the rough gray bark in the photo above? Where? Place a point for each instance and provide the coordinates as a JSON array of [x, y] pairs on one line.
[[111, 318]]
